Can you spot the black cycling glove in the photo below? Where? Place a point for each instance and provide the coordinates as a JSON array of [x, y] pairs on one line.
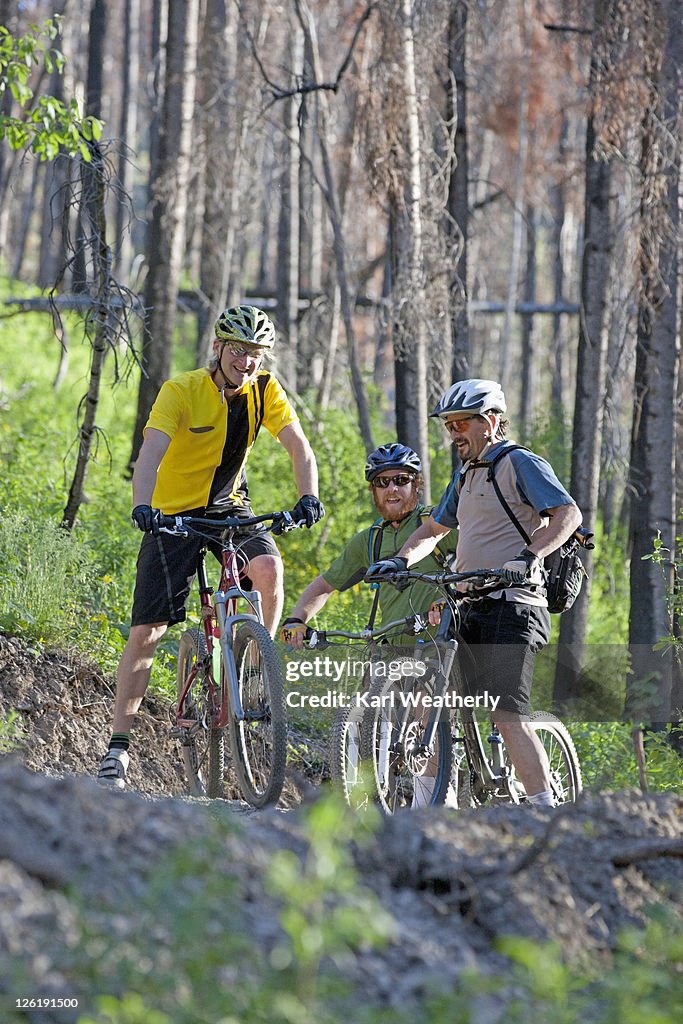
[[146, 518], [386, 567], [309, 508]]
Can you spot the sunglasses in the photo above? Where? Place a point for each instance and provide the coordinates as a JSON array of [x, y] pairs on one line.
[[460, 423], [253, 351], [386, 481]]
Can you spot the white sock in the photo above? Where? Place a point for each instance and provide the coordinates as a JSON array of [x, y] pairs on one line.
[[543, 799]]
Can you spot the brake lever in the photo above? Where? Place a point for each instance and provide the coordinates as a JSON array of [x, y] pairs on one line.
[[283, 523], [316, 639], [178, 530]]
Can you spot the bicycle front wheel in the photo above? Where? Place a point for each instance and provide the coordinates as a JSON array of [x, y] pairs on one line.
[[259, 741], [203, 745], [345, 759], [402, 774]]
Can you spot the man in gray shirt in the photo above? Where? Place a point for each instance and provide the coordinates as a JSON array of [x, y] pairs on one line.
[[517, 617]]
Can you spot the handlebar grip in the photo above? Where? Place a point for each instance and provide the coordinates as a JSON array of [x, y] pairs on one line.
[[584, 537]]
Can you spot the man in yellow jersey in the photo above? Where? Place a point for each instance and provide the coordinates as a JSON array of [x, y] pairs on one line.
[[192, 460]]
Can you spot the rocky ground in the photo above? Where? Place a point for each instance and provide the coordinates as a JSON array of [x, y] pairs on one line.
[[65, 707], [76, 860]]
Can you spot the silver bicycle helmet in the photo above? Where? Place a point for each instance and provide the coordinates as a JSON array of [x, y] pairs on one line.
[[392, 456], [472, 396], [247, 325]]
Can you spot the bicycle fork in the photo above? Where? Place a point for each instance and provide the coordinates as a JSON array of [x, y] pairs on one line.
[[228, 676], [441, 668]]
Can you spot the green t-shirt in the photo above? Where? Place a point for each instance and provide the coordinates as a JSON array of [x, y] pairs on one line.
[[350, 566]]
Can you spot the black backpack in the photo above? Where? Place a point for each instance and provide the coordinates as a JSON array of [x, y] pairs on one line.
[[564, 569]]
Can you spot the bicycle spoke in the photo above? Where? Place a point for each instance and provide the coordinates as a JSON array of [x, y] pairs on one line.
[[202, 744], [346, 766], [403, 773], [259, 741]]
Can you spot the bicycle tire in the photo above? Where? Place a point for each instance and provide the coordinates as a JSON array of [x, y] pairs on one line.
[[259, 743], [399, 778], [203, 745], [345, 757], [565, 768]]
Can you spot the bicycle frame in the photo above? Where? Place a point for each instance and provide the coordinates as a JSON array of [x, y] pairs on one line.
[[219, 618], [228, 679], [492, 770]]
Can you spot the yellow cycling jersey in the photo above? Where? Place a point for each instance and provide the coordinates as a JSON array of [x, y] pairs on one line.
[[211, 438]]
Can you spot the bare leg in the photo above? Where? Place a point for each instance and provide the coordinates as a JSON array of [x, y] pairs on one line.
[[265, 572], [526, 752], [134, 671]]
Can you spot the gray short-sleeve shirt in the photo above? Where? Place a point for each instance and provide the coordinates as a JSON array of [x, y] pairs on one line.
[[486, 536]]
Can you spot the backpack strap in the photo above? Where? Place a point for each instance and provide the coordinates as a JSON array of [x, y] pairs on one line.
[[499, 494], [374, 545]]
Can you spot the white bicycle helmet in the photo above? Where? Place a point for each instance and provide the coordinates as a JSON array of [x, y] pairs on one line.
[[247, 325], [471, 396]]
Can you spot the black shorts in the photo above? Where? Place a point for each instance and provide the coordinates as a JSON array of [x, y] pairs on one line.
[[503, 638], [167, 566]]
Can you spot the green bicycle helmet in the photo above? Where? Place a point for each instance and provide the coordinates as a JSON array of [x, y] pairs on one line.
[[247, 325]]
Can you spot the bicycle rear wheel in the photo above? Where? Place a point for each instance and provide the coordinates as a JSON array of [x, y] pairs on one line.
[[259, 742], [565, 768], [203, 745], [345, 760], [402, 775]]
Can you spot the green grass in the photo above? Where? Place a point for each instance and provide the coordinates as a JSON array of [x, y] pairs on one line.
[[37, 438], [76, 591]]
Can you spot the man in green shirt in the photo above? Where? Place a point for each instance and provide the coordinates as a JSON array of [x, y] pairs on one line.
[[394, 473]]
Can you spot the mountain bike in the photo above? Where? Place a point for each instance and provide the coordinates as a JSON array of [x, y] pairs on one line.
[[417, 748], [345, 762], [228, 677]]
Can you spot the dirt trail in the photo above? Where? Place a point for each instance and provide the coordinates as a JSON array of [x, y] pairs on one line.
[[451, 883]]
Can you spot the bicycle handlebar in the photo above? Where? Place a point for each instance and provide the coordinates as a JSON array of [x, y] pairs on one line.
[[441, 579], [445, 578], [183, 526], [320, 637]]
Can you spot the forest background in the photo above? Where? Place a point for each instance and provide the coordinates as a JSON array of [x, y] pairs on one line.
[[416, 192]]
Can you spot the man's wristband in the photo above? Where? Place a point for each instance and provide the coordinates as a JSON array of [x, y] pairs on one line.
[[289, 622]]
